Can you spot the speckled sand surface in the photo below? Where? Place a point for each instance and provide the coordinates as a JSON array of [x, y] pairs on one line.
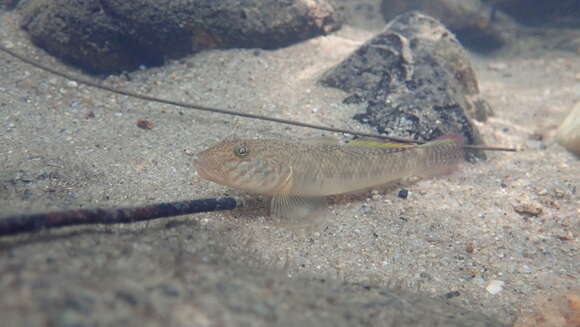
[[67, 146]]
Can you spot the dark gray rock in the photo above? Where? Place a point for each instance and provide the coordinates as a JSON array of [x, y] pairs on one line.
[[8, 4], [107, 36], [477, 25], [416, 79], [541, 13]]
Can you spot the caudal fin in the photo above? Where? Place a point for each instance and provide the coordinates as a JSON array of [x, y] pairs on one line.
[[443, 155]]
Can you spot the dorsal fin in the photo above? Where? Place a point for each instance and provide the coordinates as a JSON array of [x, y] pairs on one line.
[[372, 143]]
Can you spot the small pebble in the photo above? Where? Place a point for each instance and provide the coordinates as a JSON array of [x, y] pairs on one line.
[[353, 99], [425, 275], [559, 194], [525, 269], [144, 124], [498, 66], [452, 294], [528, 209], [403, 193], [470, 247], [569, 131], [72, 84], [495, 286], [568, 236], [536, 145]]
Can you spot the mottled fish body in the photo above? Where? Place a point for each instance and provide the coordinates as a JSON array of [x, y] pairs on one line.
[[298, 176]]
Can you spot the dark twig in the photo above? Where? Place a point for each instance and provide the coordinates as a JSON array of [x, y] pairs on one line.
[[27, 223]]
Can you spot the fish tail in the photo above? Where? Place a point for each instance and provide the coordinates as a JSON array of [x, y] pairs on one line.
[[442, 156]]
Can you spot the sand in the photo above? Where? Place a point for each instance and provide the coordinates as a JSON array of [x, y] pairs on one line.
[[66, 146]]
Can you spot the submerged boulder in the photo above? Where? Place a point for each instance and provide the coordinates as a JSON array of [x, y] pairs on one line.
[[110, 36], [416, 80], [477, 24]]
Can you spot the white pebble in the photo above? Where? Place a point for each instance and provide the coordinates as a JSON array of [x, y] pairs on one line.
[[525, 269], [569, 132], [498, 66], [72, 84], [495, 286]]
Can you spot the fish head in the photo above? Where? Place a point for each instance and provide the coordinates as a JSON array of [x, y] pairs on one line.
[[259, 166]]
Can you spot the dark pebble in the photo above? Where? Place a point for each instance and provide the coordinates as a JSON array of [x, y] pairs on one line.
[[403, 193], [353, 99], [127, 297], [452, 294]]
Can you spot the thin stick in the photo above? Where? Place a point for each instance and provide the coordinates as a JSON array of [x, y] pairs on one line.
[[28, 223], [195, 106], [222, 111]]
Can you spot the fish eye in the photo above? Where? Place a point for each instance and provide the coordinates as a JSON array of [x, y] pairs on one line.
[[241, 151]]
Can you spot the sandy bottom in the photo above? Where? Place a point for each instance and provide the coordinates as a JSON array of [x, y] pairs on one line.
[[69, 146]]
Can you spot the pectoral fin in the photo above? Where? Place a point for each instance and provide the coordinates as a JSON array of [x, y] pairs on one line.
[[296, 208]]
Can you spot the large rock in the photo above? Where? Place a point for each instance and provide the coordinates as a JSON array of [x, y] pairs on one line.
[[8, 4], [107, 36], [416, 79], [478, 25], [541, 13]]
